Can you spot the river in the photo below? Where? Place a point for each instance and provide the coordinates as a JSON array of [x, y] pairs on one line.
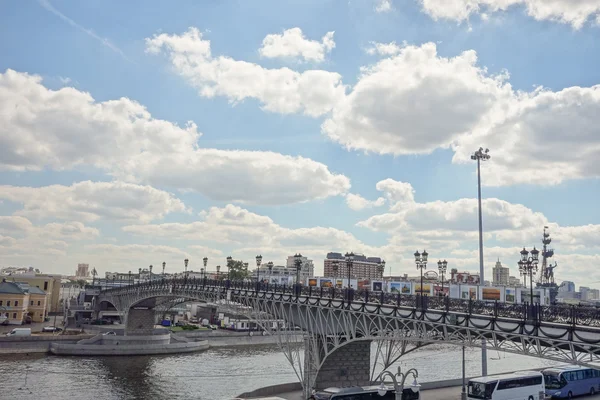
[[218, 373]]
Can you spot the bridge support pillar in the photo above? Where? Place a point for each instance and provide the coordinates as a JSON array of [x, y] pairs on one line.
[[349, 365], [140, 320]]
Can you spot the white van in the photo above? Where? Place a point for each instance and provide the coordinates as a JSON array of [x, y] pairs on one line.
[[20, 332]]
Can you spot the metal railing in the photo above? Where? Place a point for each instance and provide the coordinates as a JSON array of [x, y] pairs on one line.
[[536, 313]]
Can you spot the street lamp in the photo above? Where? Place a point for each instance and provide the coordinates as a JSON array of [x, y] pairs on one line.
[[335, 265], [229, 261], [205, 261], [129, 281], [218, 271], [258, 262], [529, 266], [270, 267], [349, 261], [481, 155], [163, 274], [442, 265], [150, 268], [140, 275], [381, 268], [298, 264], [421, 261], [185, 263], [399, 387]]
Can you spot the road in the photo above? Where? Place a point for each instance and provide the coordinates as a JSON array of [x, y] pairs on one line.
[[35, 327]]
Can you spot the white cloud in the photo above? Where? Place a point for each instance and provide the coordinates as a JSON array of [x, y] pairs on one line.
[[563, 126], [64, 129], [390, 109], [25, 241], [282, 90], [292, 44], [383, 6], [573, 12], [90, 201], [396, 192], [385, 49], [245, 232], [356, 202]]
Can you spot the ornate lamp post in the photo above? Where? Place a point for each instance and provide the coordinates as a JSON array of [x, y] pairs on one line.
[[150, 268], [335, 265], [349, 261], [163, 273], [205, 263], [399, 386], [270, 267], [185, 263], [529, 266], [298, 264], [481, 155], [421, 261], [442, 265], [258, 262], [129, 280], [229, 261], [218, 271], [140, 275]]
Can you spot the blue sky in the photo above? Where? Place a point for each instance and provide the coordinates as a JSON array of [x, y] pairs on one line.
[[407, 118]]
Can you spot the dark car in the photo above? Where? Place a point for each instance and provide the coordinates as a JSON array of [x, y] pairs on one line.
[[51, 329]]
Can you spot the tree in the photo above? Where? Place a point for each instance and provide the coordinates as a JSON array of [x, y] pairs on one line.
[[237, 270]]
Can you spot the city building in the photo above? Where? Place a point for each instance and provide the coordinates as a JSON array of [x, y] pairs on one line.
[[307, 270], [280, 271], [514, 281], [567, 286], [362, 267], [20, 302], [50, 284], [83, 271], [464, 277], [500, 274]]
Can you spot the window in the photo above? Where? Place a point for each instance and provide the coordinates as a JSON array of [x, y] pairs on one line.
[[0, 302], [39, 303], [31, 303], [46, 285], [580, 375], [8, 303], [14, 315], [16, 303]]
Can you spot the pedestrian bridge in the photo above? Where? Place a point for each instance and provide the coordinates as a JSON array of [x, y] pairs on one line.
[[339, 324]]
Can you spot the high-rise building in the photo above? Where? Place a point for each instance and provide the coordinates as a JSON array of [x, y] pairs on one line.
[[83, 271], [594, 294], [307, 270], [584, 293], [362, 267], [567, 286], [500, 274]]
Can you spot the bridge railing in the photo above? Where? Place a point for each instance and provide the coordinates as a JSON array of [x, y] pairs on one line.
[[562, 314]]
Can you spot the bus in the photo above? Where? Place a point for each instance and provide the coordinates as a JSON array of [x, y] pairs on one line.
[[568, 382], [518, 385]]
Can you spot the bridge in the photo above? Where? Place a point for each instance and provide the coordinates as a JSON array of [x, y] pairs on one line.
[[339, 325]]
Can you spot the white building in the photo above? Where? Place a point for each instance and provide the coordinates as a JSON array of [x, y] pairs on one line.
[[308, 267], [500, 274]]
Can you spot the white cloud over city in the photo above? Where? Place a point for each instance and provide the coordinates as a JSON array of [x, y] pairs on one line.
[[191, 152]]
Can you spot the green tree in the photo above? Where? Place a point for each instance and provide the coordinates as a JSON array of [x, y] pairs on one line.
[[237, 270]]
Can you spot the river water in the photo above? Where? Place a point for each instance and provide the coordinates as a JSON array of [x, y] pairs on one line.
[[218, 373]]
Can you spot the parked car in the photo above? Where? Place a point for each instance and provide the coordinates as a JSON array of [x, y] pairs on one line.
[[111, 333], [20, 332], [51, 329]]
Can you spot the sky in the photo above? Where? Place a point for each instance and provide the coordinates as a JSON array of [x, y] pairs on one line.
[[135, 133]]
